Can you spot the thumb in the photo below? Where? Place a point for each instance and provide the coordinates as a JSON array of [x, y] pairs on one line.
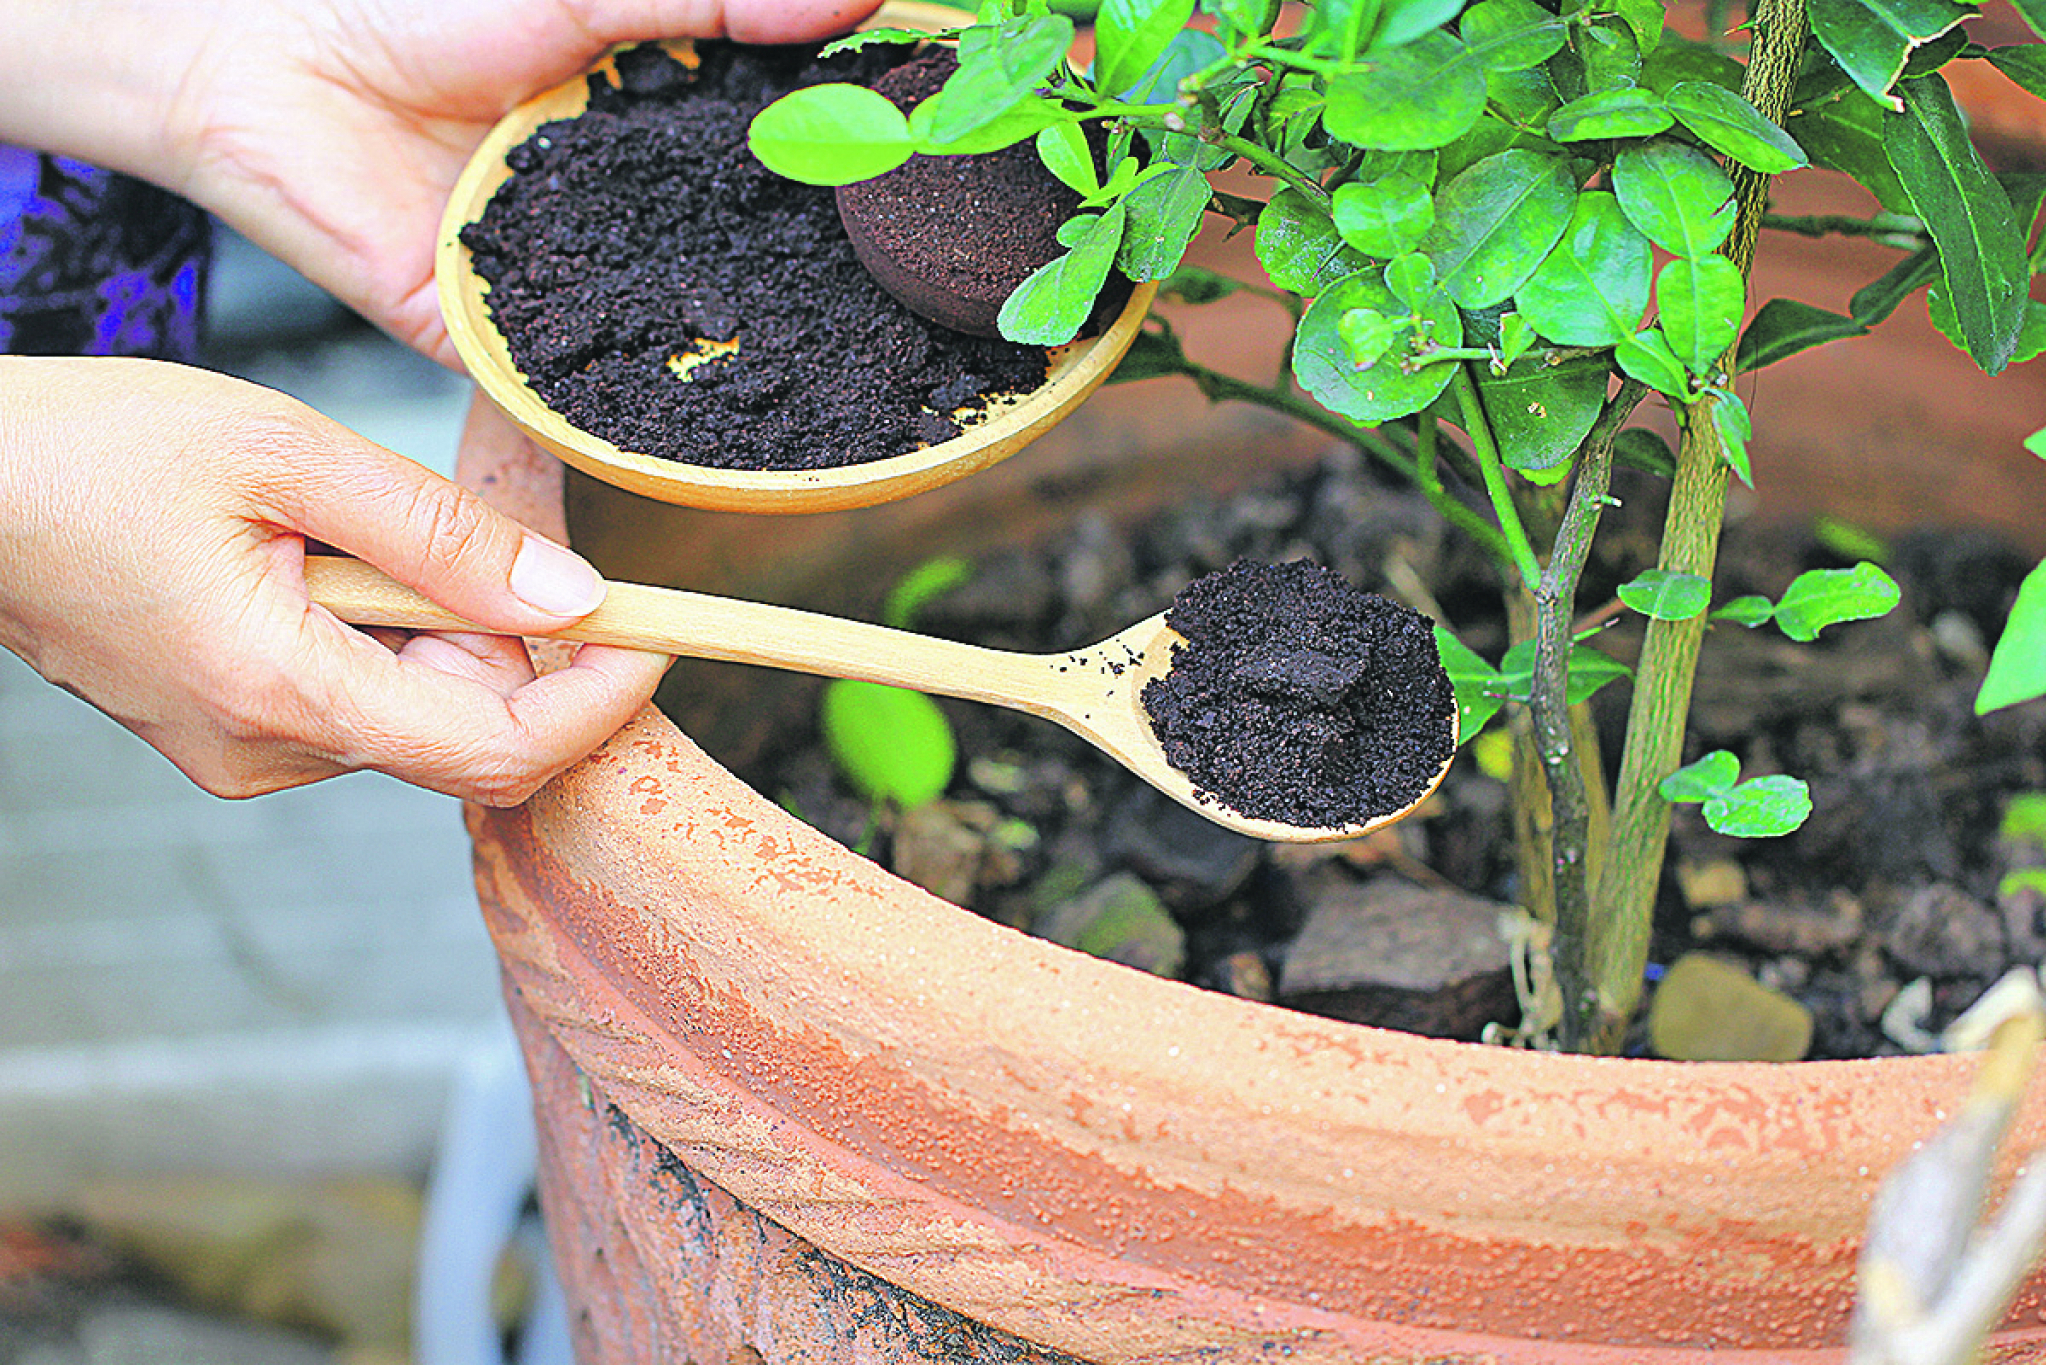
[[746, 21], [436, 536]]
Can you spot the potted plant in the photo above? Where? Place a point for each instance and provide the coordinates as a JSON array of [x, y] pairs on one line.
[[1036, 1152]]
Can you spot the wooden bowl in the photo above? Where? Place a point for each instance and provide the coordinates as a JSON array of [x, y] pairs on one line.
[[1008, 425]]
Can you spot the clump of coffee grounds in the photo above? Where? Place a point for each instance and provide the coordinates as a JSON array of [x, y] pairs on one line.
[[1299, 697], [644, 229], [952, 236]]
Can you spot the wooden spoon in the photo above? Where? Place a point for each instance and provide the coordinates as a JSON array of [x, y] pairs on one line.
[[1094, 692]]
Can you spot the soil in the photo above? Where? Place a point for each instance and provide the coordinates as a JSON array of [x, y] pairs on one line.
[[952, 236], [1301, 699], [643, 232], [1899, 877]]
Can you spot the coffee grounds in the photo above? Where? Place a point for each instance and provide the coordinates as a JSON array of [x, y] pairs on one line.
[[952, 236], [643, 230], [1300, 698]]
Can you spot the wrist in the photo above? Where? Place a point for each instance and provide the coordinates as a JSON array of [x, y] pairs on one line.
[[99, 80]]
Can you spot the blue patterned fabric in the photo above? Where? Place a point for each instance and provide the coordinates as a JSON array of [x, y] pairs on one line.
[[96, 263]]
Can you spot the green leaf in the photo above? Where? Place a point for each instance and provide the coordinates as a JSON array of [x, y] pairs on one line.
[[1783, 327], [1589, 670], [1366, 333], [1731, 126], [999, 64], [1337, 29], [2017, 669], [1411, 278], [1849, 541], [1643, 18], [892, 744], [830, 135], [854, 42], [1700, 303], [2036, 443], [1879, 298], [926, 582], [1511, 35], [1479, 694], [1646, 356], [1386, 217], [1760, 808], [1164, 214], [1607, 56], [1871, 42], [1389, 388], [1750, 611], [2031, 334], [1645, 451], [2034, 13], [1626, 112], [1676, 195], [1733, 426], [1846, 135], [1593, 287], [1710, 776], [1190, 50], [1197, 284], [1402, 21], [1540, 413], [1153, 352], [1411, 98], [1299, 247], [1064, 151], [1667, 595], [1818, 598], [1053, 302], [2025, 64], [1021, 121], [1517, 337], [1130, 36], [1680, 59], [1496, 222], [1981, 250]]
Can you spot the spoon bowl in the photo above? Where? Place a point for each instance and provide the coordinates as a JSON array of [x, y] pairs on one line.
[[1074, 370], [1096, 692]]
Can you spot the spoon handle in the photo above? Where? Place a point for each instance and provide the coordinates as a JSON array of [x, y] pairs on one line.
[[700, 626]]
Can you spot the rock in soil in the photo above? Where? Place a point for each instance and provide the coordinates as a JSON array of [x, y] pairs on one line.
[[1122, 920], [1384, 952], [1709, 1010]]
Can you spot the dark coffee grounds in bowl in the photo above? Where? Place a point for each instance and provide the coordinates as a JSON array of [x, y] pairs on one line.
[[643, 232], [1301, 698]]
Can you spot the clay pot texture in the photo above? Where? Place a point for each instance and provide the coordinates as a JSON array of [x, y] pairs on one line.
[[795, 1109]]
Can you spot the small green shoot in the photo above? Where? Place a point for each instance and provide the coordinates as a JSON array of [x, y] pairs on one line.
[[2017, 667], [1667, 596], [1758, 808], [1482, 689], [1818, 598], [893, 744]]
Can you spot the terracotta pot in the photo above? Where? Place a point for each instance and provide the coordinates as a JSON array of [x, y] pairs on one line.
[[795, 1109]]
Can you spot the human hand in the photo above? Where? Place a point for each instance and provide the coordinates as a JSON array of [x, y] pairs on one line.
[[330, 132], [153, 528]]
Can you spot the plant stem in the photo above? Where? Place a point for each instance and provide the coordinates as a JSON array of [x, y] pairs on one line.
[[1270, 162], [1882, 227], [1494, 473], [1569, 801], [1615, 949]]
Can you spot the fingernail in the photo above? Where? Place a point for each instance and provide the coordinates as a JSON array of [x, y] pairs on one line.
[[560, 582]]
